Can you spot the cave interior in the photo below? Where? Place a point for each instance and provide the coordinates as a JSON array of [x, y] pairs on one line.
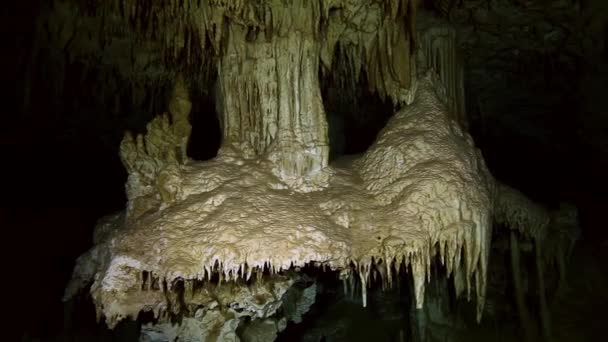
[[525, 80]]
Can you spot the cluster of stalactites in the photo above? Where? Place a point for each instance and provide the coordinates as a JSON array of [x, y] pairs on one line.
[[153, 160], [169, 28], [379, 41], [184, 26], [192, 32], [459, 258], [168, 295], [459, 255]]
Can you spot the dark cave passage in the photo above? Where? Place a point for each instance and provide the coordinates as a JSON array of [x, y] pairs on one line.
[[538, 138], [206, 136], [355, 115]]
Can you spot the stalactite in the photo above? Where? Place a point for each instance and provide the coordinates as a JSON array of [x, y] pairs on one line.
[[419, 283], [545, 318], [553, 233], [522, 309], [363, 279]]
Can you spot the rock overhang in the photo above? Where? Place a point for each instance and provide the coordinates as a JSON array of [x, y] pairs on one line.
[[403, 203]]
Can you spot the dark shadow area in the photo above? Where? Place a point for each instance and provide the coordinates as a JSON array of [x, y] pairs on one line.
[[60, 139], [80, 323], [206, 136], [543, 133], [339, 315], [355, 115]]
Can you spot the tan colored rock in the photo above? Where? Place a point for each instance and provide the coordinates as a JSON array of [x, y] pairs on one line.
[[179, 108], [154, 160], [422, 190], [271, 98]]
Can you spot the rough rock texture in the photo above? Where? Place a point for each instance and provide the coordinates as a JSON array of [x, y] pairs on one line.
[[269, 91], [266, 56], [534, 72], [269, 202], [212, 325], [544, 41], [260, 331], [422, 190], [297, 302], [153, 161]]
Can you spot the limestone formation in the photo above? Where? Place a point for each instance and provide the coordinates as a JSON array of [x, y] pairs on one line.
[[421, 191], [439, 42], [154, 160], [267, 56], [220, 242]]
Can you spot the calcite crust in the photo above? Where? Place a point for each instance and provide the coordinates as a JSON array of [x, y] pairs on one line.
[[422, 190]]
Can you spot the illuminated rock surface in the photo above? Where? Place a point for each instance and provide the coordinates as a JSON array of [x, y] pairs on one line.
[[421, 191], [220, 242]]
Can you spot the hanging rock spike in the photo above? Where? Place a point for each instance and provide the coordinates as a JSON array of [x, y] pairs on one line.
[[389, 274], [249, 270], [363, 288], [418, 273]]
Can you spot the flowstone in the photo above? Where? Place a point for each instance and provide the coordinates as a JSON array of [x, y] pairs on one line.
[[218, 244]]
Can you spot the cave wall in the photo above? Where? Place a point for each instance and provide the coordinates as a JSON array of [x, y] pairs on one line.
[[534, 71]]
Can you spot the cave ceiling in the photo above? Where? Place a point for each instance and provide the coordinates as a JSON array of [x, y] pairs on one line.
[[147, 43]]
